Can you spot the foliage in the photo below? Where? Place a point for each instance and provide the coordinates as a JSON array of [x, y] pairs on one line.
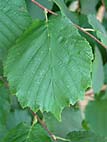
[[50, 55]]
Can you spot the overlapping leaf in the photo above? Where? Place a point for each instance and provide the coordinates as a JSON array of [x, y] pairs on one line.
[[25, 133], [99, 28], [14, 19], [71, 121], [50, 66], [4, 108], [35, 11], [98, 72], [88, 7], [85, 136], [96, 115], [18, 116]]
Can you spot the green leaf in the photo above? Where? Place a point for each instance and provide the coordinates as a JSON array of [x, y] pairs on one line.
[[18, 116], [3, 131], [98, 72], [1, 68], [50, 66], [88, 6], [96, 115], [105, 2], [105, 72], [99, 28], [85, 136], [25, 133], [14, 19], [35, 11], [65, 11], [71, 121], [4, 105]]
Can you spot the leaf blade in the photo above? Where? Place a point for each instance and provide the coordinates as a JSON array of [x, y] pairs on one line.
[[47, 63]]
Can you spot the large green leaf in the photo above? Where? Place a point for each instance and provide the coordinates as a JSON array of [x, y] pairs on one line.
[[85, 136], [14, 19], [99, 28], [50, 66], [25, 133], [98, 72], [96, 115], [71, 121]]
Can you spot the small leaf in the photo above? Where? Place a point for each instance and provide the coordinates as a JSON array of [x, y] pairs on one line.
[[99, 28], [96, 116], [50, 66], [98, 72], [25, 133], [85, 136], [71, 121]]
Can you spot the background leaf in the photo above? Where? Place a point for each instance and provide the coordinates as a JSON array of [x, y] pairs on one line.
[[18, 116], [105, 72], [99, 28], [85, 136], [96, 115], [35, 11], [98, 72], [71, 121], [24, 132], [14, 19], [88, 6], [4, 111]]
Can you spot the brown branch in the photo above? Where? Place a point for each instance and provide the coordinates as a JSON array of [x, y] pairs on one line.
[[44, 8], [44, 126], [90, 35], [77, 26]]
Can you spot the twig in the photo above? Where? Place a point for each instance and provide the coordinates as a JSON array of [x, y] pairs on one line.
[[44, 8], [44, 126], [90, 35], [77, 26], [63, 139]]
